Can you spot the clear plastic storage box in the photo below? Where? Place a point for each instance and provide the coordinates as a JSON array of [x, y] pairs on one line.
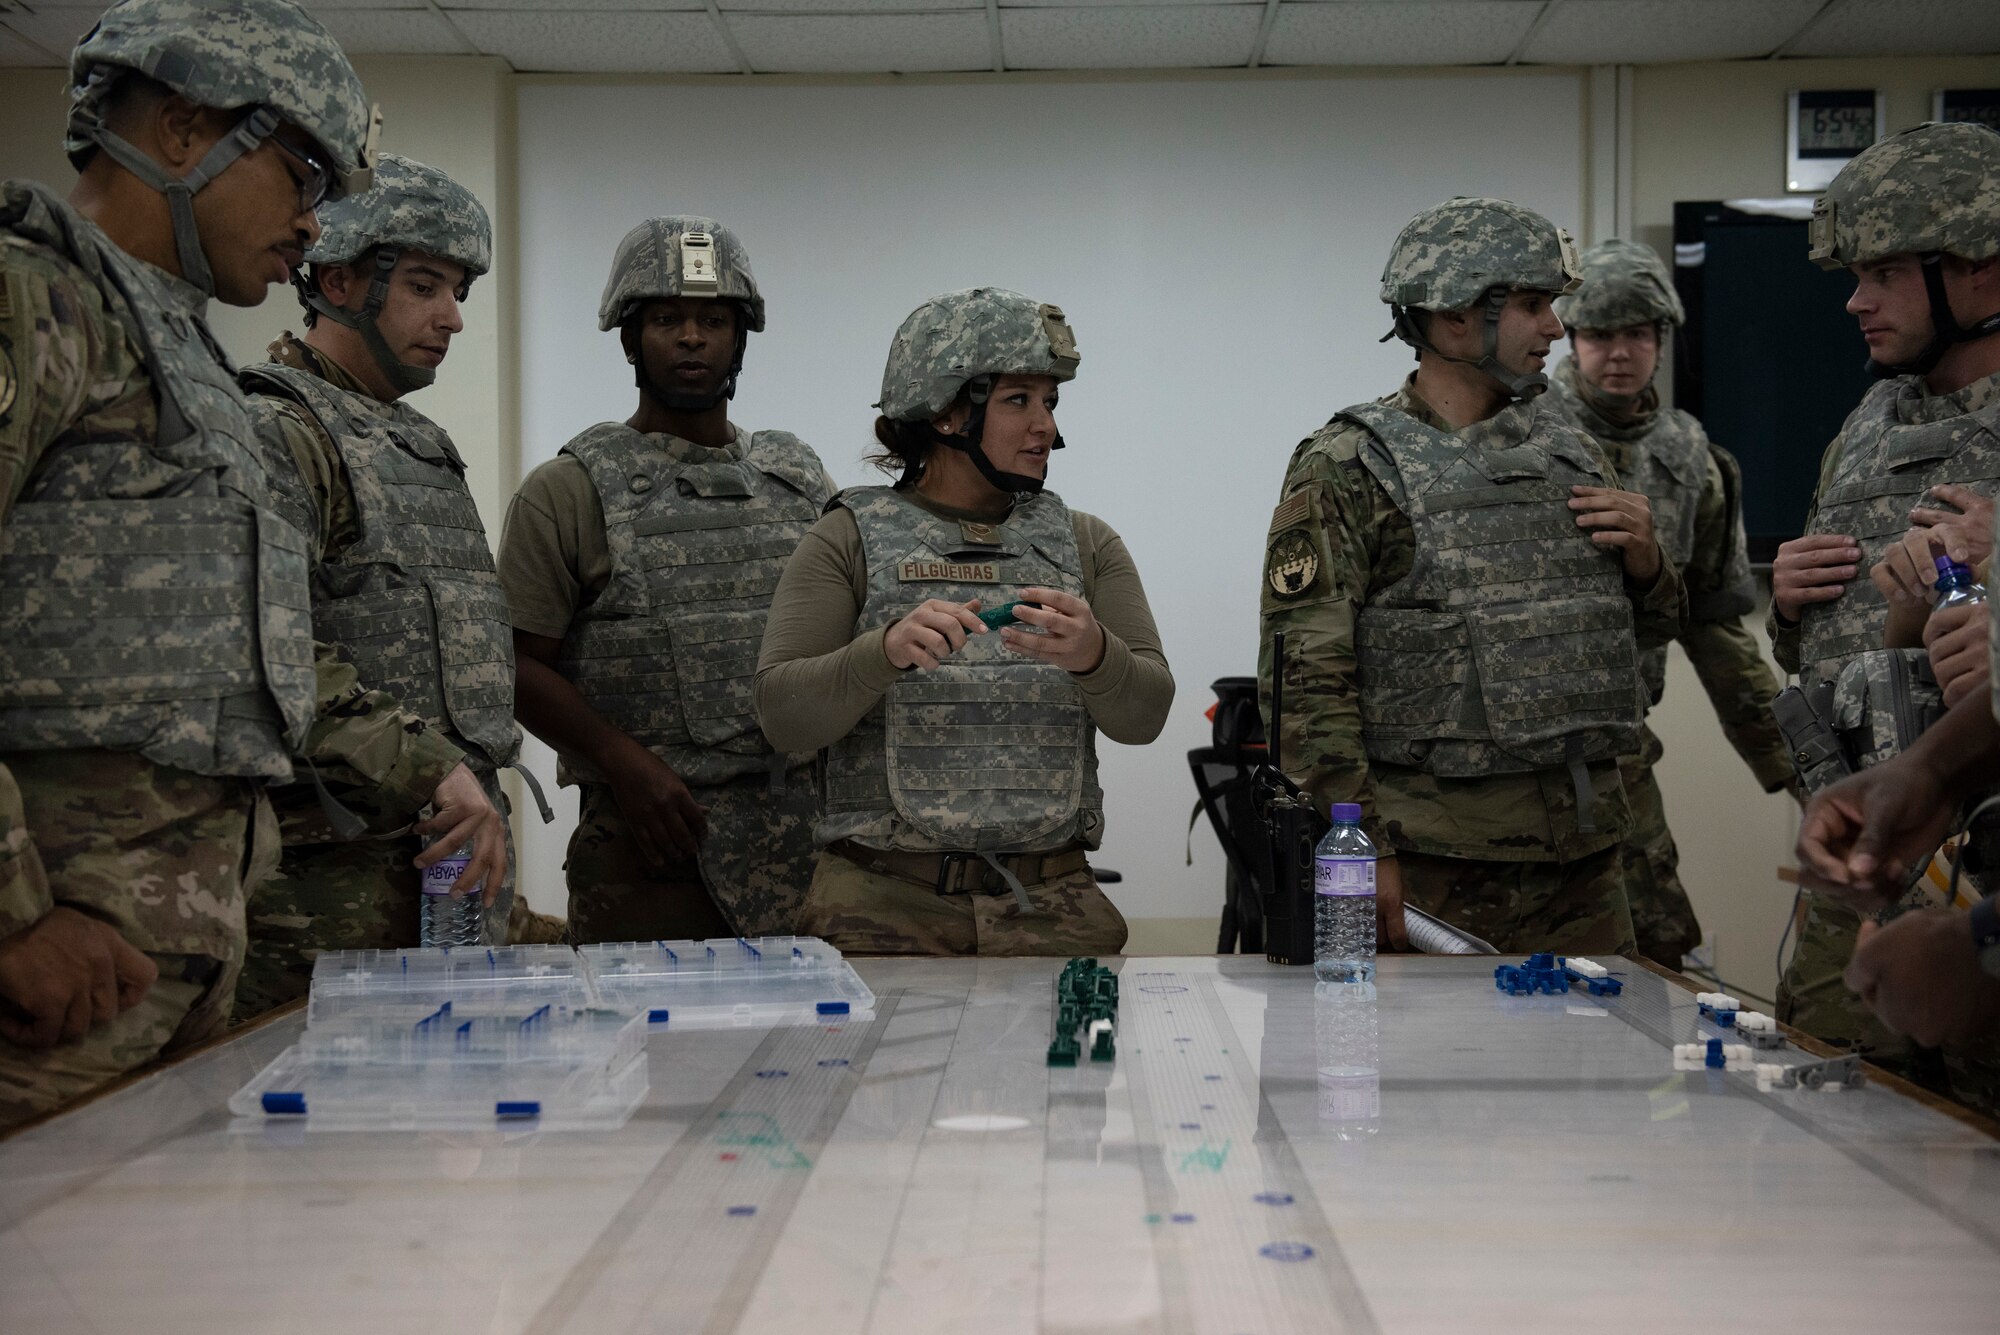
[[728, 981], [437, 1039], [490, 979]]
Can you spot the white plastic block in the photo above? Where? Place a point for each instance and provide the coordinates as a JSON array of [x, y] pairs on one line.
[[1096, 1027], [1588, 968], [1737, 1057], [1717, 1001], [1770, 1075], [1754, 1020], [1690, 1056]]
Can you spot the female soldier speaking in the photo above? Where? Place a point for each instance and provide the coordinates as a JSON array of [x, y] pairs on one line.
[[953, 643]]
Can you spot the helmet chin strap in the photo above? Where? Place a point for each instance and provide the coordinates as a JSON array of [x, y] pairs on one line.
[[677, 401], [1517, 384], [405, 377], [1945, 328], [966, 442], [180, 191]]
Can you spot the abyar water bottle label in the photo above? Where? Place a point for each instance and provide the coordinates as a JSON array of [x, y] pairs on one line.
[[438, 877], [1344, 876]]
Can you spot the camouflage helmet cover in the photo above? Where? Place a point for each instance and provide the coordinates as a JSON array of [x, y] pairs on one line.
[[679, 256], [1624, 284], [1935, 188], [960, 336], [1449, 256], [410, 207], [227, 54]]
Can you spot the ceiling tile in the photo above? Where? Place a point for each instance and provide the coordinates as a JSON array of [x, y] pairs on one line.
[[15, 53], [875, 43], [392, 31], [843, 6], [1621, 32], [584, 7], [1122, 4], [1905, 28], [1158, 37], [601, 43], [57, 27], [1398, 32]]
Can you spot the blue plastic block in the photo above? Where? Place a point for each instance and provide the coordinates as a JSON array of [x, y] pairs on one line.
[[1727, 1019], [657, 1015], [1543, 960], [517, 1108], [833, 1008], [1715, 1057], [285, 1105]]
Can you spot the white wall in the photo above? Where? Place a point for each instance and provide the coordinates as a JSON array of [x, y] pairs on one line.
[[1216, 244]]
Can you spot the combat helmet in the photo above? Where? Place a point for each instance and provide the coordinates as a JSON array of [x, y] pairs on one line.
[[1469, 251], [961, 341], [683, 255], [1929, 192], [411, 207], [1623, 283], [266, 55]]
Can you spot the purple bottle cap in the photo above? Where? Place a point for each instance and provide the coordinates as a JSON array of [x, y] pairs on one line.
[[1347, 812]]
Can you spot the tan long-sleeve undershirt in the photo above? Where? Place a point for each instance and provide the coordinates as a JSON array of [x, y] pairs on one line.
[[816, 677]]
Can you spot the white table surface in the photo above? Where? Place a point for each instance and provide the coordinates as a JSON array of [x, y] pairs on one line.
[[1535, 1165]]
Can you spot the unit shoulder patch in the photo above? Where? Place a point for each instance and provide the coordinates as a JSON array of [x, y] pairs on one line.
[[1292, 565]]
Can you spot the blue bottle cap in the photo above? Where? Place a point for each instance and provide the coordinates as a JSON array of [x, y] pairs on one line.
[[1952, 571], [1347, 813]]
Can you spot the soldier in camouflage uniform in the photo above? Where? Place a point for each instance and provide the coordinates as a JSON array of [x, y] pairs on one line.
[[156, 659], [1619, 317], [1915, 218], [1466, 592], [1930, 973], [960, 754], [403, 586], [639, 565]]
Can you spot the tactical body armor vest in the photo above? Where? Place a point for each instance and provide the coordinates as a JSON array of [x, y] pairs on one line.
[[151, 599], [989, 752], [1664, 456], [668, 652], [1896, 445], [415, 604], [1509, 646]]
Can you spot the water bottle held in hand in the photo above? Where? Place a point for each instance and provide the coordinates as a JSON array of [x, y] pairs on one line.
[[1955, 585], [1344, 901], [447, 919]]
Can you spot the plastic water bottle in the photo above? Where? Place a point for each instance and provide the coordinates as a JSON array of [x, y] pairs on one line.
[[1344, 901], [445, 919], [1955, 585], [1345, 1043]]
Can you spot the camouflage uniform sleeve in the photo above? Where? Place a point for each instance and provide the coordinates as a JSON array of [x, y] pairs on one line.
[[1785, 635], [1321, 547], [1660, 612], [372, 736], [366, 733], [61, 356], [1727, 658], [24, 888]]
